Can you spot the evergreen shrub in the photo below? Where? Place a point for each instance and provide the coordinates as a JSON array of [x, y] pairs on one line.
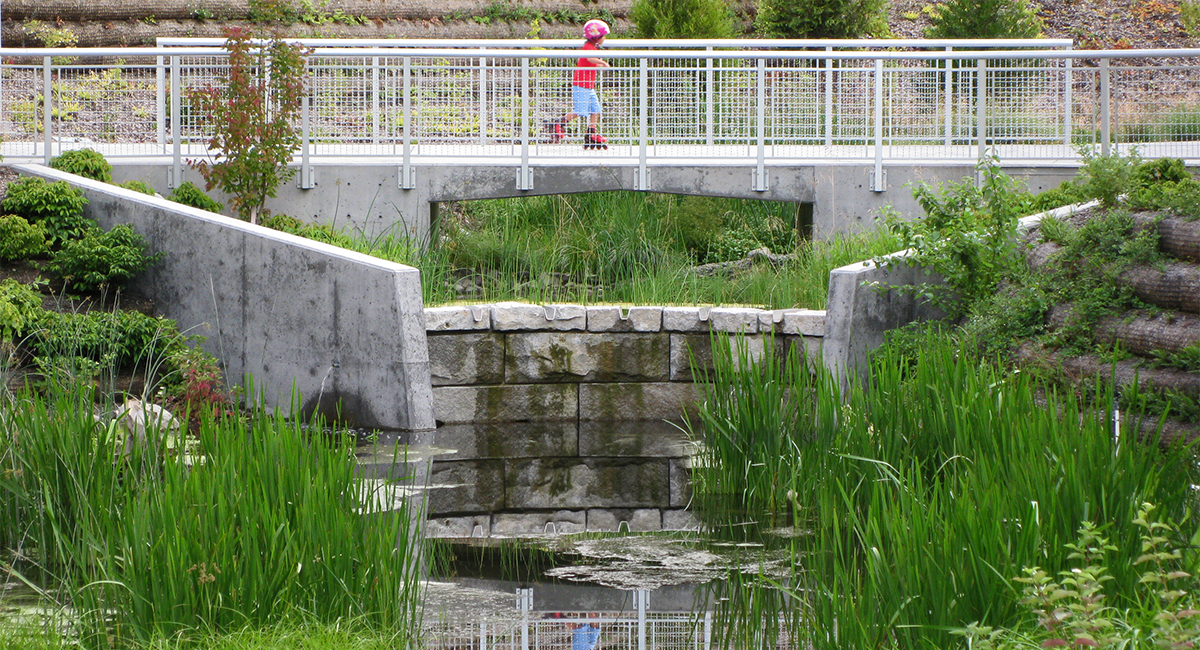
[[985, 19], [683, 19], [821, 18], [138, 186]]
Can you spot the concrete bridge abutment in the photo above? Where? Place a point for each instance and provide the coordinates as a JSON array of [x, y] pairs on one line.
[[367, 196]]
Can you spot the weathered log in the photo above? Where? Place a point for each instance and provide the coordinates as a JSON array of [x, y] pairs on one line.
[[133, 33], [1176, 286], [87, 10], [1177, 237], [1140, 332], [1085, 369]]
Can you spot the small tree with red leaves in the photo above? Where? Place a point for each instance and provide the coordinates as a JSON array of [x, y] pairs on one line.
[[254, 111]]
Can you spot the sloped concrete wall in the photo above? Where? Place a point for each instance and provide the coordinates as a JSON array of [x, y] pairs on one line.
[[334, 329]]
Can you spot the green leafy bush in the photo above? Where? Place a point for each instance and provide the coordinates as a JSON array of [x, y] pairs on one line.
[[20, 305], [821, 18], [966, 236], [1108, 177], [188, 194], [83, 162], [138, 186], [20, 239], [682, 19], [101, 259], [1072, 610], [984, 19], [57, 206], [123, 338], [1180, 199], [1162, 170]]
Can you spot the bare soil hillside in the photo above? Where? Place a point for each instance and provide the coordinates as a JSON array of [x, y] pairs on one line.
[[1091, 24]]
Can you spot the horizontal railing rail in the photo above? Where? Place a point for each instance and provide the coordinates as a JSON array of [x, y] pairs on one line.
[[423, 102]]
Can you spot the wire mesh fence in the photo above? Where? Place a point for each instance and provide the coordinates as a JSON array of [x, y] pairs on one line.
[[760, 105]]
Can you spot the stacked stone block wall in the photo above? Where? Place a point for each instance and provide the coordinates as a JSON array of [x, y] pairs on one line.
[[595, 391]]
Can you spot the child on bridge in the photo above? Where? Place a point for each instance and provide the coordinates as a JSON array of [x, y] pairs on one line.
[[583, 90]]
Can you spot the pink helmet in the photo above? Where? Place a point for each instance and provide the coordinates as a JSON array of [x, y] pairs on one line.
[[595, 29]]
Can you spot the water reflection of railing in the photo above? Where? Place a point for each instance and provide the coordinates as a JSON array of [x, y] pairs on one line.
[[526, 629]]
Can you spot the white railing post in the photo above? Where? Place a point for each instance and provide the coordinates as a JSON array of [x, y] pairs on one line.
[[525, 602], [643, 174], [878, 182], [483, 636], [760, 170], [641, 599], [306, 171], [948, 71], [160, 104], [1067, 100], [524, 176], [175, 177], [407, 175], [1105, 108], [829, 99], [375, 100], [708, 629], [47, 111], [981, 107], [709, 100]]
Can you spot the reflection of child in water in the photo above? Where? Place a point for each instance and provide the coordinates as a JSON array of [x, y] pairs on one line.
[[586, 636]]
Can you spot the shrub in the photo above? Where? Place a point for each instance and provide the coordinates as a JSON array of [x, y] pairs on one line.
[[1163, 170], [821, 18], [101, 259], [20, 239], [121, 338], [83, 162], [1181, 199], [1108, 177], [20, 305], [194, 381], [57, 205], [985, 19], [138, 186], [188, 194], [255, 112], [966, 236], [682, 19]]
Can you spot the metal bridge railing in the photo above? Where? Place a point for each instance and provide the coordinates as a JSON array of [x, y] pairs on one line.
[[686, 101]]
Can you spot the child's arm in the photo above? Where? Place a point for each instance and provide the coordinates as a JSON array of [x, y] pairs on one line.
[[599, 63]]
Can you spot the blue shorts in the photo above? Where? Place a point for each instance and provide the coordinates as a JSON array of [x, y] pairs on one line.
[[586, 101]]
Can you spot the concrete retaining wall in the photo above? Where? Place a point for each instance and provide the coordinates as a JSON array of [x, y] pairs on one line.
[[337, 329]]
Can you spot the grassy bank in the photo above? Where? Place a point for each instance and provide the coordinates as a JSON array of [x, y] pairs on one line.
[[261, 524], [926, 496]]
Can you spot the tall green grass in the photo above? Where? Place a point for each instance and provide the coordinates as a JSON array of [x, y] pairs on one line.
[[626, 247], [268, 525], [926, 493]]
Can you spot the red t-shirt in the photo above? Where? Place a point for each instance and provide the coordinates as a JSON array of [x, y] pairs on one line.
[[585, 73]]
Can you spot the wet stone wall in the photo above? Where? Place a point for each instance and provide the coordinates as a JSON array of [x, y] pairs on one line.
[[566, 418]]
